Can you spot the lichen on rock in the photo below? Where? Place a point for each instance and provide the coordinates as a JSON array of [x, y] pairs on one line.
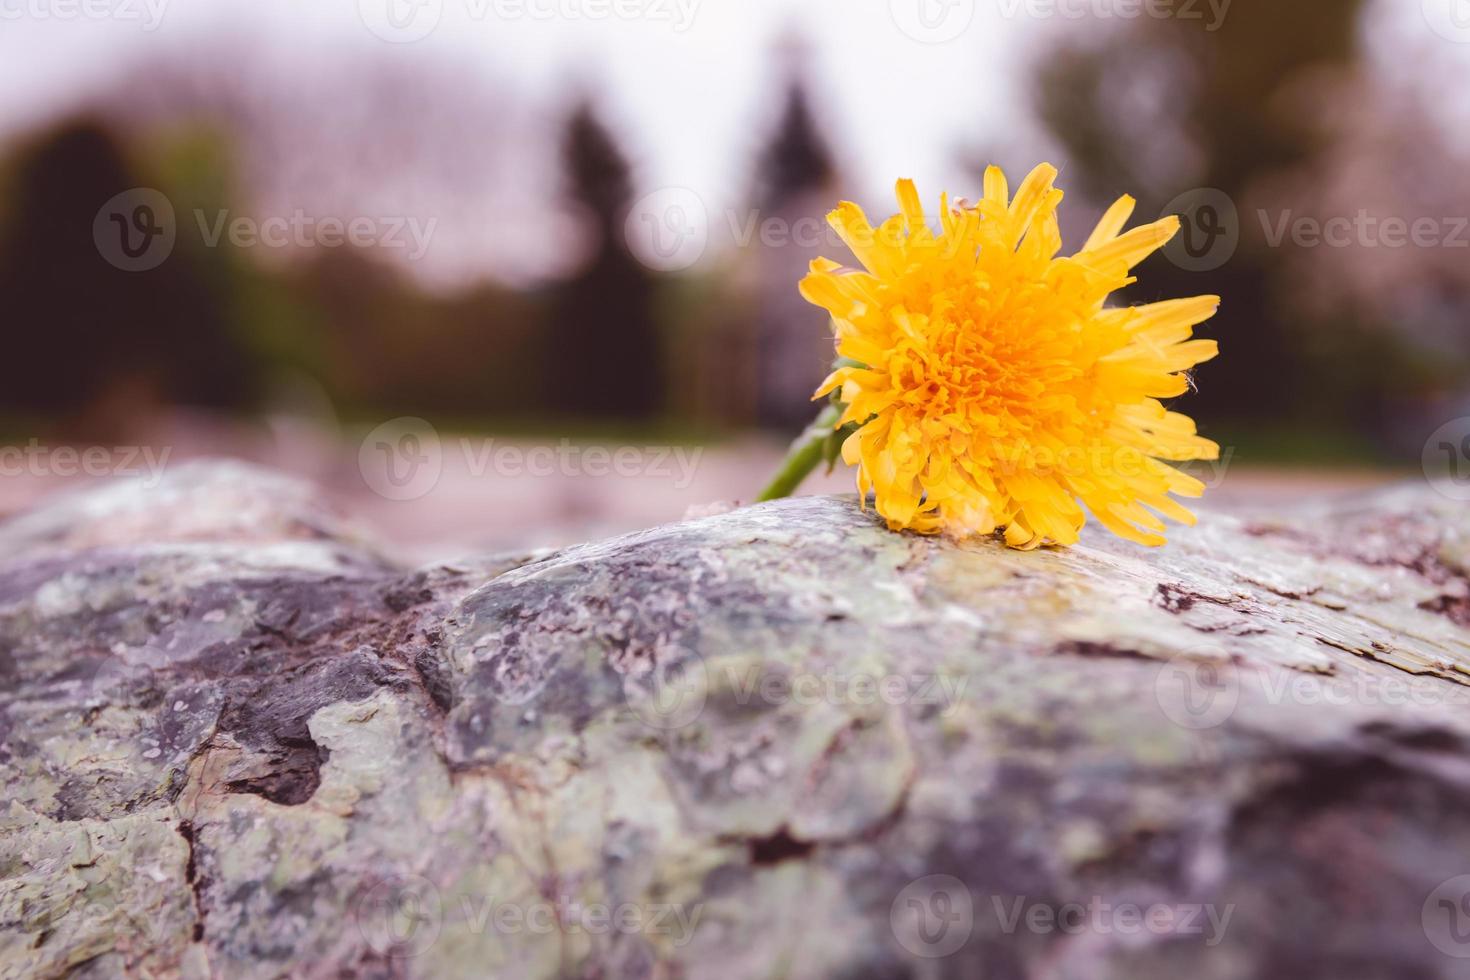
[[777, 741]]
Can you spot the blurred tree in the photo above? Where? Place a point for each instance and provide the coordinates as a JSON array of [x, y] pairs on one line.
[[794, 186], [376, 331], [605, 352], [89, 342], [378, 136], [1169, 105], [392, 347], [796, 160]]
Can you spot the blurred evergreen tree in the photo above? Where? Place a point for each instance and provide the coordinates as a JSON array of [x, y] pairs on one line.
[[796, 160], [794, 183], [605, 352], [89, 342]]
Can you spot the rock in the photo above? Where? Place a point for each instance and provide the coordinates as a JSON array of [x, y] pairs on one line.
[[778, 741], [217, 501]]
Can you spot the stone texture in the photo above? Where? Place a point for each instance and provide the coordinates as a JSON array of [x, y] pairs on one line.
[[779, 741]]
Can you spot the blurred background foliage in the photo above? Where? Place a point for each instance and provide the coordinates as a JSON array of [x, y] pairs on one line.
[[1328, 353]]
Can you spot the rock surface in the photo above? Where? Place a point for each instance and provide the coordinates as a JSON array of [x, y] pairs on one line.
[[235, 741]]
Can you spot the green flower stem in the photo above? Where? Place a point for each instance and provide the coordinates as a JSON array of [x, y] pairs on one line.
[[804, 455]]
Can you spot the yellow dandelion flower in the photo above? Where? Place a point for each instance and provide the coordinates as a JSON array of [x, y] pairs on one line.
[[992, 386]]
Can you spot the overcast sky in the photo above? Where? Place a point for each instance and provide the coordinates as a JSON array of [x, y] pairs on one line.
[[905, 86], [688, 78]]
